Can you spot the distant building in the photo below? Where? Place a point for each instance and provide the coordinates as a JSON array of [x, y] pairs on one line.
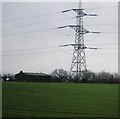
[[32, 77]]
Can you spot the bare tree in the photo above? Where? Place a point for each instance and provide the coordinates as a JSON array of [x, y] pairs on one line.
[[60, 74]]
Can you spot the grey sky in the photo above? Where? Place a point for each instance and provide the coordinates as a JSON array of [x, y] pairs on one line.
[[29, 42]]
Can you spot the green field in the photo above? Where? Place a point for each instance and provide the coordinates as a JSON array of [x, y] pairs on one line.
[[59, 100]]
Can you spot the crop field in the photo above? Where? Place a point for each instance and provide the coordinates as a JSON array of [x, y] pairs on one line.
[[24, 99]]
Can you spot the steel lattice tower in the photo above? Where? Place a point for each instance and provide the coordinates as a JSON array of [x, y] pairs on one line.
[[78, 68]]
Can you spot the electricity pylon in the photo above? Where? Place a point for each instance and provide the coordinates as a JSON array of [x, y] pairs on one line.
[[78, 68]]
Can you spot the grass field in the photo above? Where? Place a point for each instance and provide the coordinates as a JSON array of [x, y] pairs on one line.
[[59, 100]]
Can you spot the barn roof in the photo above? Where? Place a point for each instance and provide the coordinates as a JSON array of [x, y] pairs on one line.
[[34, 74]]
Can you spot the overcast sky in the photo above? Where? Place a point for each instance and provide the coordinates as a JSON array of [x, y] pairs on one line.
[[31, 39]]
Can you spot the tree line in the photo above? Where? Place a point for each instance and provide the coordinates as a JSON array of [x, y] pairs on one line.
[[62, 76]]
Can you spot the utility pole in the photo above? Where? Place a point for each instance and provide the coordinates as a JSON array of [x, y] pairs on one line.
[[78, 68]]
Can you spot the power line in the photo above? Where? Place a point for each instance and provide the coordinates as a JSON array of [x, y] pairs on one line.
[[31, 49], [30, 24], [57, 37], [54, 47], [54, 28], [14, 40], [34, 53], [5, 35], [51, 13], [31, 17]]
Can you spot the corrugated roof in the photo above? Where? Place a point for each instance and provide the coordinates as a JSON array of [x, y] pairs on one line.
[[35, 74]]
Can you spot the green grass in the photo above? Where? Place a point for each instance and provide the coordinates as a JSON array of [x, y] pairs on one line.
[[59, 100]]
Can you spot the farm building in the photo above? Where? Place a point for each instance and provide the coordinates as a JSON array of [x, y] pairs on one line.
[[32, 77]]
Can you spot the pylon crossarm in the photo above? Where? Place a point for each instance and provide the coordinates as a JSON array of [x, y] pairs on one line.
[[62, 27], [92, 15], [94, 32], [80, 46], [64, 45], [77, 26], [78, 9], [68, 10], [91, 48]]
